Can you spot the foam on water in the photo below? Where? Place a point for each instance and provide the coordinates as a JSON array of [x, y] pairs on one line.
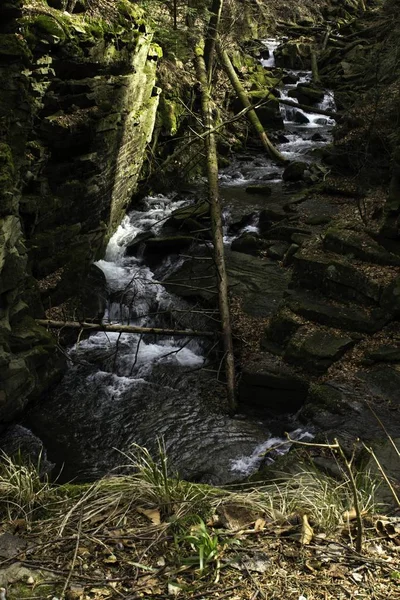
[[276, 446]]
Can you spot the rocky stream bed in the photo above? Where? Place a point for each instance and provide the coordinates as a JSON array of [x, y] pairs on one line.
[[315, 298]]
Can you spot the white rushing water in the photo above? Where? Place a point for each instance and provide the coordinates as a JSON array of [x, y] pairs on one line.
[[124, 388]]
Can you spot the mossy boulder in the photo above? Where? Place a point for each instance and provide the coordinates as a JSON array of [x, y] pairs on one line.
[[14, 48], [269, 384], [307, 94], [7, 182], [259, 190], [294, 171], [294, 54], [315, 350], [248, 243], [48, 28]]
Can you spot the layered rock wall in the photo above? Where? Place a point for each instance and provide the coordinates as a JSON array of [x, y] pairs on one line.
[[77, 108]]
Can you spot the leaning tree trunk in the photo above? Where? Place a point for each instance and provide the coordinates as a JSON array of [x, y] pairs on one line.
[[216, 225], [252, 115], [211, 38]]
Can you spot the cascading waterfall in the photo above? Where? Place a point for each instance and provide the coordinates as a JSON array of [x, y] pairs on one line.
[[123, 388]]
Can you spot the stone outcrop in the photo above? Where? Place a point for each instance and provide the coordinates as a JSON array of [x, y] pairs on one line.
[[77, 108]]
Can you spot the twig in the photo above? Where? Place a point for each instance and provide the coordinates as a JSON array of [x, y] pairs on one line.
[[78, 539]]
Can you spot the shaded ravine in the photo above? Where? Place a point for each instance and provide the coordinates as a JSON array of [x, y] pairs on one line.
[[123, 389]]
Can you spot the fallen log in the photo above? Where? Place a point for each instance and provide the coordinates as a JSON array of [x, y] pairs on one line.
[[52, 324], [274, 154]]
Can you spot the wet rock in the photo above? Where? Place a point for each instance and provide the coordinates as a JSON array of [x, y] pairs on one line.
[[133, 247], [270, 215], [282, 139], [269, 384], [307, 94], [294, 54], [277, 251], [262, 190], [166, 245], [244, 221], [294, 171], [281, 231], [19, 442], [316, 350], [248, 244], [317, 137], [290, 79], [182, 216], [271, 176], [300, 118], [300, 238], [259, 283]]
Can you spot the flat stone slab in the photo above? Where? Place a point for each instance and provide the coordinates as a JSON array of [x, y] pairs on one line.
[[259, 283], [360, 245], [321, 310], [316, 350], [335, 276]]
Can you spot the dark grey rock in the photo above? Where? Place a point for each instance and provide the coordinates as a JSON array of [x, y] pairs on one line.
[[300, 118], [294, 171], [259, 283], [277, 251], [316, 350], [248, 243], [262, 190], [321, 310], [133, 247], [360, 245], [269, 384]]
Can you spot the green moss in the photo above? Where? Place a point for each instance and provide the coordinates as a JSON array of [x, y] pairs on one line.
[[13, 45], [130, 11], [49, 25], [19, 591], [6, 178], [168, 114]]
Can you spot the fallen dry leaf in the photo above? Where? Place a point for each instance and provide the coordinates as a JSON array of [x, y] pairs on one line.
[[259, 525], [307, 531], [151, 513]]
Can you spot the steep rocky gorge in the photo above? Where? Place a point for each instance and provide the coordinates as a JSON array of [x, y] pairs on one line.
[[313, 268], [77, 107]]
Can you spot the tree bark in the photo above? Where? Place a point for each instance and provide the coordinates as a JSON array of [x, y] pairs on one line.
[[314, 67], [211, 37], [275, 155], [216, 226], [122, 328]]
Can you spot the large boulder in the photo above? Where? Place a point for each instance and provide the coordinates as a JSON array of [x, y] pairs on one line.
[[307, 94], [259, 283], [294, 54], [316, 350], [270, 385], [294, 171]]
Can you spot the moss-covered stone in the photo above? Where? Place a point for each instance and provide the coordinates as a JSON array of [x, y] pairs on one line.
[[7, 173], [14, 47], [49, 26]]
